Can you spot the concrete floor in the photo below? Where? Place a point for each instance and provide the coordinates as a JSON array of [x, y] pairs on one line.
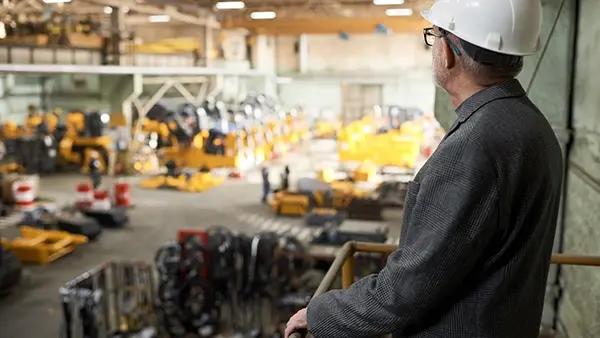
[[33, 310]]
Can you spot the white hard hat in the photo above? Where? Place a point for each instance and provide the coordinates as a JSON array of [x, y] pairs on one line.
[[509, 27]]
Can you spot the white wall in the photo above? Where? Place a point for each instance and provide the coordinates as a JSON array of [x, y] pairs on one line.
[[400, 63], [264, 53], [412, 89], [361, 53], [286, 56]]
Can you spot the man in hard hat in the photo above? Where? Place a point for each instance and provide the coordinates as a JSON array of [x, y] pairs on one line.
[[480, 216]]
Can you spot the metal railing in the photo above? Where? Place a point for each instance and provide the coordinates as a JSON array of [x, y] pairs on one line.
[[344, 261]]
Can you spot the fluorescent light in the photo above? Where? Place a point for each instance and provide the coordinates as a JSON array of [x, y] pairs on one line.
[[230, 5], [387, 2], [108, 10], [399, 12], [125, 10], [263, 15], [56, 1], [159, 18]]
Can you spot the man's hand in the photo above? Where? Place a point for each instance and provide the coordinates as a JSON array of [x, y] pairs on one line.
[[297, 322]]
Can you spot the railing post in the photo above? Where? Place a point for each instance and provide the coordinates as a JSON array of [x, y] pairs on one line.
[[348, 270]]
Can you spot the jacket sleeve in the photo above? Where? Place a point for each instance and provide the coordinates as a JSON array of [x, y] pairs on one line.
[[453, 218]]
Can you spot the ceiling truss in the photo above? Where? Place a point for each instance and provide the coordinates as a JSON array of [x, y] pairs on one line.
[[293, 16]]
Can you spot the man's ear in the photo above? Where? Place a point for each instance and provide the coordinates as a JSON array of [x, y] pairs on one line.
[[448, 54]]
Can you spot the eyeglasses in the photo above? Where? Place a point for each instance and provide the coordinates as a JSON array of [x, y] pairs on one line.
[[429, 35]]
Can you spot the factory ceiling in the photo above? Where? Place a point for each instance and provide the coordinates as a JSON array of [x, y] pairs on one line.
[[260, 16]]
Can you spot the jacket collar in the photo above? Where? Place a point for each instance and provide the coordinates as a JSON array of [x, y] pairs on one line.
[[509, 88]]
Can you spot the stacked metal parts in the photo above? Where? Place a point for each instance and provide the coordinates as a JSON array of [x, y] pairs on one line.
[[113, 300], [221, 282]]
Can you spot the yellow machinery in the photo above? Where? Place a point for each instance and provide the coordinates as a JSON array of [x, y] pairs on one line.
[[293, 130], [278, 145], [259, 143], [84, 138], [358, 142], [194, 149], [366, 172], [42, 246], [197, 182], [325, 129], [11, 130], [33, 122], [16, 153], [335, 195]]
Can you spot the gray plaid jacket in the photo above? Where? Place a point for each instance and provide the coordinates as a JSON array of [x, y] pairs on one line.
[[477, 236]]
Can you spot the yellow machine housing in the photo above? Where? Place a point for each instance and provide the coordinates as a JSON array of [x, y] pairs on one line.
[[291, 204], [197, 182], [79, 150], [42, 246]]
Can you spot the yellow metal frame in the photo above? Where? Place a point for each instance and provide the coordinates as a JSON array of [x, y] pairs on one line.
[[344, 262]]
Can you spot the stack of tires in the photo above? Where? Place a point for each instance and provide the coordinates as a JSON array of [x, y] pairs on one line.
[[10, 271]]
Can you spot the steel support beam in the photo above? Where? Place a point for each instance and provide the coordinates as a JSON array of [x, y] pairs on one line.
[[155, 10], [143, 107]]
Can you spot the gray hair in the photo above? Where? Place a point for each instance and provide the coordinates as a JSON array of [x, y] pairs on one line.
[[486, 72]]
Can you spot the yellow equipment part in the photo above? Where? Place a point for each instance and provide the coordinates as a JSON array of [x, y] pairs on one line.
[[325, 211], [31, 123], [117, 120], [11, 167], [290, 204], [365, 172], [198, 182], [325, 129], [405, 150], [10, 130], [42, 246], [326, 175]]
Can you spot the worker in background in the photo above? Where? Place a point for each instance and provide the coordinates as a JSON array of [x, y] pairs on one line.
[[481, 214], [94, 170], [53, 28], [264, 171], [285, 178]]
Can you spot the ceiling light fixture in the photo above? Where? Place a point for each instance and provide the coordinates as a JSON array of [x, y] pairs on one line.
[[387, 2], [159, 18], [399, 12], [230, 5], [108, 10], [125, 10], [56, 1], [263, 15]]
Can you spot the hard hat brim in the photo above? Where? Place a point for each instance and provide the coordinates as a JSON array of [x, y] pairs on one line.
[[426, 15]]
